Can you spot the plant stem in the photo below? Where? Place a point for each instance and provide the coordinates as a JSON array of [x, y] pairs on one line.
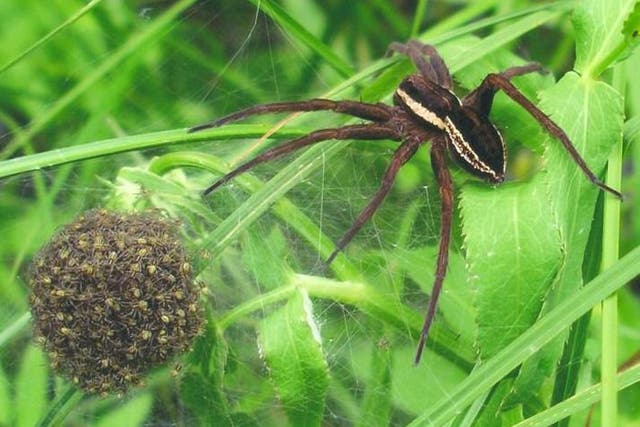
[[610, 254]]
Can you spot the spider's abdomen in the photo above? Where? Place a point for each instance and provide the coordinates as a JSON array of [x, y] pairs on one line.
[[426, 101], [476, 144], [471, 138]]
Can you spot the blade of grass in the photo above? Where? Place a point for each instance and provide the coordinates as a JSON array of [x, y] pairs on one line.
[[610, 254], [433, 36], [418, 17], [65, 402], [533, 340], [111, 146], [580, 401], [299, 33], [456, 20], [73, 18], [503, 36], [14, 328], [135, 43], [368, 299]]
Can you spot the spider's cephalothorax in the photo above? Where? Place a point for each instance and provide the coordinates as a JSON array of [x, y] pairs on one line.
[[425, 110]]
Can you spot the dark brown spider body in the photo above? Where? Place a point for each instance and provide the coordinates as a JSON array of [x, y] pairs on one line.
[[477, 145], [425, 110], [472, 140]]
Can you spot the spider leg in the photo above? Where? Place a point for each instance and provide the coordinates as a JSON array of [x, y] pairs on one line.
[[481, 98], [439, 165], [363, 110], [435, 69], [520, 70], [370, 131], [402, 154]]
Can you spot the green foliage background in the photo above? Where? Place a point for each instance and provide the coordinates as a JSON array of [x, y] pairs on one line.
[[96, 115]]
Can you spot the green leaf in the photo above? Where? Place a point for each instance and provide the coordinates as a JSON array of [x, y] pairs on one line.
[[417, 388], [201, 383], [599, 37], [513, 254], [631, 27], [493, 414], [31, 388], [132, 413], [289, 340], [530, 342], [591, 114], [265, 256]]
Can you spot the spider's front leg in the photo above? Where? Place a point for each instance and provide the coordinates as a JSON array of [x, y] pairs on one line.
[[433, 69], [481, 100], [378, 113]]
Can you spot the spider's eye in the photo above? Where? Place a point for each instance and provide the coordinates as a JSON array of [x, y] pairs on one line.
[[476, 145]]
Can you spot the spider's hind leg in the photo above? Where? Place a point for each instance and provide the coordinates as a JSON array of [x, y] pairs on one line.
[[445, 183], [402, 155], [433, 69], [370, 131]]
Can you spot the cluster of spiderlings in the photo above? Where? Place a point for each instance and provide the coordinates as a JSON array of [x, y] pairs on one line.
[[112, 295]]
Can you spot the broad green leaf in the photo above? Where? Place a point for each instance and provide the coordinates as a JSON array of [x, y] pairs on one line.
[[591, 114], [31, 388], [551, 325], [132, 413], [289, 341], [513, 254], [631, 32], [201, 382], [631, 26], [264, 254], [417, 388], [598, 27]]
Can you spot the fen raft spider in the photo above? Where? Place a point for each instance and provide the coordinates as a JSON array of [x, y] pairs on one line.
[[425, 109]]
